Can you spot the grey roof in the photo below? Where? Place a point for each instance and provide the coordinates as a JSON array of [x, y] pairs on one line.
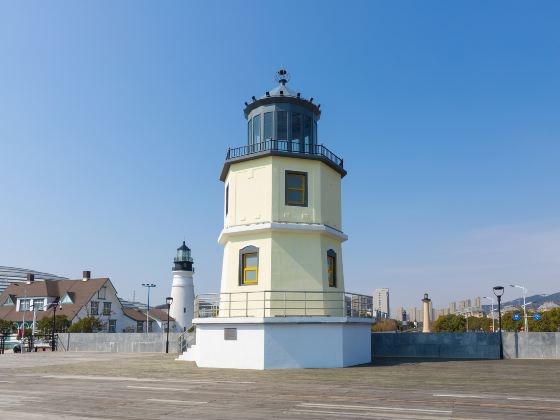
[[286, 91], [282, 94], [183, 247]]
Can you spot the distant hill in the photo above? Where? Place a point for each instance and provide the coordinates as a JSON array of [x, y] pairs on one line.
[[536, 301]]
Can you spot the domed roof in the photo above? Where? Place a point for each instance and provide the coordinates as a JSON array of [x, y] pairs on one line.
[[282, 90], [282, 94], [183, 247]]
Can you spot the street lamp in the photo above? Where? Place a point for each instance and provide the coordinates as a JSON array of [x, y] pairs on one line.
[[54, 304], [149, 286], [169, 301], [498, 292], [492, 300], [524, 305]]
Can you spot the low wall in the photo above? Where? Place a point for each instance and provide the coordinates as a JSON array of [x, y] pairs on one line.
[[466, 345], [118, 342], [537, 345], [436, 345]]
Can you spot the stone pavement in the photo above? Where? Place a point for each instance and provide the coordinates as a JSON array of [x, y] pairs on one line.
[[155, 386]]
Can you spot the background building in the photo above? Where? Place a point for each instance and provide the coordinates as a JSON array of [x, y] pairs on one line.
[[381, 301], [24, 302], [11, 275]]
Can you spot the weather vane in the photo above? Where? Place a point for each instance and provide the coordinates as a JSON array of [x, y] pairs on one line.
[[282, 76]]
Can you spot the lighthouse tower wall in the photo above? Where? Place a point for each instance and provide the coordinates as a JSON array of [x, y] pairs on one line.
[[292, 241], [182, 292]]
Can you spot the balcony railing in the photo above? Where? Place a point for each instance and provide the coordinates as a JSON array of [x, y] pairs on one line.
[[282, 146], [283, 303]]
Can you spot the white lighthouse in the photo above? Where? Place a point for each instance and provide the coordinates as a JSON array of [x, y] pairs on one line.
[[182, 289], [282, 300]]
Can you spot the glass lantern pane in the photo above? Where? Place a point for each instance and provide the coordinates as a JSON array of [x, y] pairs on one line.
[[282, 126], [268, 125]]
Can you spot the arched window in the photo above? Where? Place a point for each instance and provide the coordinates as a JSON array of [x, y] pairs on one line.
[[249, 265], [331, 267]]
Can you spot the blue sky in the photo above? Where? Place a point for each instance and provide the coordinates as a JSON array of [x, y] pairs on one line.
[[115, 118]]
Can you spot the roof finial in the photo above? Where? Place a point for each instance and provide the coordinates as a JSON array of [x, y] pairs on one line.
[[282, 76]]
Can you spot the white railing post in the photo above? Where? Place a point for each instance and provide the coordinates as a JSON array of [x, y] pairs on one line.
[[229, 306], [284, 304], [246, 304]]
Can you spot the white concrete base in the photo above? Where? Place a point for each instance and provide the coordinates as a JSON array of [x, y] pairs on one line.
[[281, 343], [189, 355]]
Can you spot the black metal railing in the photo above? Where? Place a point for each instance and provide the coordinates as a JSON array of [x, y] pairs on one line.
[[287, 147], [283, 303]]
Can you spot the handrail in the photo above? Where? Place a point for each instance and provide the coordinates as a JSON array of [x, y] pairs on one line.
[[283, 303], [284, 146], [185, 340]]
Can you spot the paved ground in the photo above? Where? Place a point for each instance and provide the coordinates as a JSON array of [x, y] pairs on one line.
[[154, 386]]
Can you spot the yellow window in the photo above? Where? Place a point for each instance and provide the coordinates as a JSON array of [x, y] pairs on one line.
[[295, 189], [250, 268], [331, 271]]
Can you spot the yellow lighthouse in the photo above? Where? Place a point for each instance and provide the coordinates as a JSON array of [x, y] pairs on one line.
[[282, 215], [282, 302]]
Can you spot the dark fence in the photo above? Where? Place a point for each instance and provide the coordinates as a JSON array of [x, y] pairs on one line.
[[285, 147]]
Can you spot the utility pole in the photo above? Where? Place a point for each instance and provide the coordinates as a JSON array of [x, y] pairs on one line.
[[149, 286]]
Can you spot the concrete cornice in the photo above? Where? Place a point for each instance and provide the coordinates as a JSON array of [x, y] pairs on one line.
[[281, 227], [284, 320]]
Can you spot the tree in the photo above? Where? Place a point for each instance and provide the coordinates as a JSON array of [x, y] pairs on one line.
[[385, 325], [549, 322], [45, 325], [480, 324], [6, 325], [450, 323], [88, 324], [508, 324]]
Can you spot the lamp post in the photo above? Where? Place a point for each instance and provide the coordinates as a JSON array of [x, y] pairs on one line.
[[149, 286], [169, 301], [524, 305], [492, 300], [498, 292], [23, 318], [54, 305]]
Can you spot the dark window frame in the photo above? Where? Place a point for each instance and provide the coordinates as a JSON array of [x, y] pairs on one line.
[[227, 199], [92, 304], [305, 191], [106, 309], [112, 326], [332, 254], [250, 249]]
